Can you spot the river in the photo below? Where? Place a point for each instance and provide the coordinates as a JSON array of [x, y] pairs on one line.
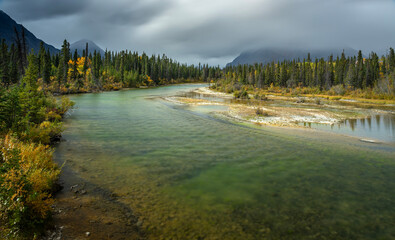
[[187, 174]]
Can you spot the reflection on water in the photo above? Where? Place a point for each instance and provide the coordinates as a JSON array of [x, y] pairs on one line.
[[188, 175], [380, 127]]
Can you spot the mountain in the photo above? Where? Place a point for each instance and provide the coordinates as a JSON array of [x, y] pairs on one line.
[[268, 55], [7, 32], [81, 44]]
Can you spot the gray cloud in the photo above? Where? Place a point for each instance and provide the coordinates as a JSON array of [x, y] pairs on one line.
[[24, 10], [213, 31]]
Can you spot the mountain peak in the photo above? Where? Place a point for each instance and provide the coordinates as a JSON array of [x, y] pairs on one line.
[[81, 44]]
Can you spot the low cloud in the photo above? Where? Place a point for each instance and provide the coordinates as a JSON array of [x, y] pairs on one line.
[[212, 31]]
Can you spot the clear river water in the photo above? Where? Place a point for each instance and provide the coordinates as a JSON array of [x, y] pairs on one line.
[[187, 174]]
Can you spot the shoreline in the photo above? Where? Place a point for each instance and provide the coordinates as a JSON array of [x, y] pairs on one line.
[[290, 117], [83, 209]]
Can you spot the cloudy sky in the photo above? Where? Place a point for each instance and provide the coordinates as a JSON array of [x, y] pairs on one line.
[[210, 31]]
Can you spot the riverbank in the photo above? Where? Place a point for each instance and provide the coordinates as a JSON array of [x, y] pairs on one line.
[[83, 209], [285, 111], [30, 123]]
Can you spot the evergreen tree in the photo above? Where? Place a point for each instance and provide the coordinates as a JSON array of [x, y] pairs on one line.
[[46, 72], [74, 71], [4, 64], [31, 75], [65, 58], [391, 59]]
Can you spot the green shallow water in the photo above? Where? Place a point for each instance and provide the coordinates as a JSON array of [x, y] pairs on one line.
[[190, 175]]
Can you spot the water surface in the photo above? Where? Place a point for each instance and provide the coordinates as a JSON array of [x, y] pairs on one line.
[[190, 175], [379, 127]]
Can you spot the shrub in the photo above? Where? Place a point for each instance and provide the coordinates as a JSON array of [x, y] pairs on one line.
[[228, 89], [46, 133], [385, 87], [27, 175], [260, 112], [337, 90], [260, 96], [65, 105], [300, 100], [241, 94], [237, 87]]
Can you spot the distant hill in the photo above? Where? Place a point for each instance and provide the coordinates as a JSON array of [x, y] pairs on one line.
[[81, 44], [7, 32], [268, 55]]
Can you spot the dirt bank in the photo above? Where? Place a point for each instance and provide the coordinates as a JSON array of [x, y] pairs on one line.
[[86, 211]]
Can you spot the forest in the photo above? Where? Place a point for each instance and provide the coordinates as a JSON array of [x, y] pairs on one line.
[[68, 72], [356, 76]]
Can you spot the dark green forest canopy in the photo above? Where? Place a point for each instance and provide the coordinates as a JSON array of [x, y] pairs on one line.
[[72, 72]]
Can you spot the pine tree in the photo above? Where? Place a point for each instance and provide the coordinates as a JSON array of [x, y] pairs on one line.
[[46, 72], [391, 59], [4, 64], [74, 71], [350, 79], [14, 74], [65, 58], [31, 75], [85, 68], [41, 59]]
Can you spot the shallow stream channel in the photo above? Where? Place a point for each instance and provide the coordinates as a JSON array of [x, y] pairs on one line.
[[185, 173]]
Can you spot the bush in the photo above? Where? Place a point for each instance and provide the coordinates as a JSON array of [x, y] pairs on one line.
[[243, 94], [300, 100], [228, 89], [385, 87], [65, 105], [260, 96], [46, 133], [260, 112], [337, 90], [27, 175]]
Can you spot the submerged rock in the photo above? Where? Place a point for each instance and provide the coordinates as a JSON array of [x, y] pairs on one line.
[[368, 140]]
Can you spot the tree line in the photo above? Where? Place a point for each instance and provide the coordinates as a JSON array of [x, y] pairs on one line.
[[354, 72], [68, 72]]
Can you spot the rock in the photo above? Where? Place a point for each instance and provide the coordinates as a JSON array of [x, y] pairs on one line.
[[87, 234], [368, 140]]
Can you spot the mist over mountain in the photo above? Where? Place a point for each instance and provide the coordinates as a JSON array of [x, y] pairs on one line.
[[268, 55], [81, 44], [7, 32]]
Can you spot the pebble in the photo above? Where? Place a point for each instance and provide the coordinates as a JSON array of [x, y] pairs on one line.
[[87, 234]]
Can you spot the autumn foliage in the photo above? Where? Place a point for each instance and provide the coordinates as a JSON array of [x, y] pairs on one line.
[[30, 121], [27, 174]]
